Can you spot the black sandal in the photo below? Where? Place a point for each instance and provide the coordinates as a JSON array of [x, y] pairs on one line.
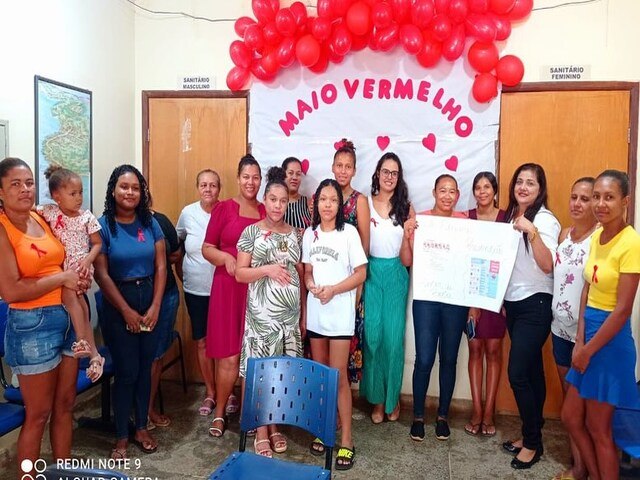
[[345, 458], [317, 447]]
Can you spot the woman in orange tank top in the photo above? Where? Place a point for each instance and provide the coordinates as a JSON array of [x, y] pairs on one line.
[[31, 281]]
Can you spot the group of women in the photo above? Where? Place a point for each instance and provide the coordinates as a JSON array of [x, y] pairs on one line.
[[261, 277]]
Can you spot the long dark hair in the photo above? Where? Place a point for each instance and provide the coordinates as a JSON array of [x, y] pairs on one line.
[[540, 201], [328, 182], [491, 178], [143, 210], [400, 199], [8, 164]]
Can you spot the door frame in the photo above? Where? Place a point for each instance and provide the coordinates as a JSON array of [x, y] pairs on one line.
[[149, 94], [632, 87]]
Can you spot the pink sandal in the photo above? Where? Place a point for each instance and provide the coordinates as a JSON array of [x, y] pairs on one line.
[[81, 349]]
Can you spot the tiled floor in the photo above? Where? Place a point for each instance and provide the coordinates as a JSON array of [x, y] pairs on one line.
[[385, 451]]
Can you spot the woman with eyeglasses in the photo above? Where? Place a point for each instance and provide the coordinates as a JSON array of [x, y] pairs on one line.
[[386, 289]]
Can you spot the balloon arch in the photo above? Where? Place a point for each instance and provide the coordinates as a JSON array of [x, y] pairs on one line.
[[430, 30]]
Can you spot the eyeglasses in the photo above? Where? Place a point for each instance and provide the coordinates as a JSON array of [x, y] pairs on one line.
[[389, 173]]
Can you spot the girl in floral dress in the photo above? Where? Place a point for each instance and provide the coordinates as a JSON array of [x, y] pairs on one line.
[[269, 261]]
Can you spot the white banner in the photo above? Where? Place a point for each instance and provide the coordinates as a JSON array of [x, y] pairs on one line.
[[382, 102], [463, 262]]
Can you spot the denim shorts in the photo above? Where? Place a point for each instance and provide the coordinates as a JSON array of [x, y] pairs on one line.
[[167, 320], [37, 338], [562, 350]]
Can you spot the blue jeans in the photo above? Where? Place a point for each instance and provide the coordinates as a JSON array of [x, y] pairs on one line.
[[133, 354], [167, 320], [436, 325]]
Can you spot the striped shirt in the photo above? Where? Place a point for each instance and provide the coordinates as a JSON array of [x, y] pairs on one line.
[[297, 214]]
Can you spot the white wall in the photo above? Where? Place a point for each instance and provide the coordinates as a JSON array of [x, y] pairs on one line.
[[81, 43], [602, 34]]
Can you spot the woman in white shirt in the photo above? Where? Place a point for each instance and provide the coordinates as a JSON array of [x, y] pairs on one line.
[[334, 267], [196, 274], [528, 306], [386, 289], [570, 259]]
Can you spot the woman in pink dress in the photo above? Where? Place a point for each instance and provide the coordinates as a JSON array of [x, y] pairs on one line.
[[225, 326]]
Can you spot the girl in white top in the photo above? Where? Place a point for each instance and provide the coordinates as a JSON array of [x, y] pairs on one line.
[[568, 266], [196, 274], [528, 305], [334, 267], [386, 289]]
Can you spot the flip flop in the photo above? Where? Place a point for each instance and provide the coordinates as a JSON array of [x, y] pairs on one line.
[[485, 429], [278, 446], [145, 446], [208, 404], [118, 453], [163, 422], [317, 447], [474, 430], [347, 457]]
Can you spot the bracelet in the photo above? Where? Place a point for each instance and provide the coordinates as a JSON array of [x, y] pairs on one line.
[[532, 236]]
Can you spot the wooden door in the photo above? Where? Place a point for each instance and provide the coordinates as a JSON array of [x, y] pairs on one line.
[[186, 133], [572, 134]]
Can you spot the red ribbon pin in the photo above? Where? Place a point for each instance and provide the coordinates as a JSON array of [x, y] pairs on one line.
[[594, 277], [39, 251], [315, 236], [558, 262], [59, 222], [141, 235], [374, 221], [266, 235]]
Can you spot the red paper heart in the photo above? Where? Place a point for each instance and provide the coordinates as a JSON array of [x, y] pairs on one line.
[[383, 141], [452, 163], [429, 142], [304, 165]]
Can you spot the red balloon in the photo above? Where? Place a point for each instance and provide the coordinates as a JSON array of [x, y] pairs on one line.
[[359, 42], [299, 12], [485, 87], [253, 38], [483, 57], [441, 27], [263, 10], [503, 27], [422, 12], [401, 9], [431, 52], [275, 5], [286, 22], [387, 38], [240, 54], [453, 46], [241, 25], [260, 73], [521, 9], [510, 70], [269, 63], [321, 28], [325, 8], [481, 27], [341, 40], [307, 50], [501, 7], [271, 34], [323, 62], [381, 15], [334, 57], [340, 7], [411, 38], [478, 6], [442, 6], [237, 78], [458, 10], [359, 18], [286, 52]]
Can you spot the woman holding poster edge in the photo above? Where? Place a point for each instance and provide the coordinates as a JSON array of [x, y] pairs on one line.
[[334, 267], [570, 259], [436, 323], [602, 376], [528, 306], [490, 327], [355, 210], [386, 289]]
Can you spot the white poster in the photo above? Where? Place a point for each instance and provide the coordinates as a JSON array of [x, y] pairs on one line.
[[463, 262], [383, 102]]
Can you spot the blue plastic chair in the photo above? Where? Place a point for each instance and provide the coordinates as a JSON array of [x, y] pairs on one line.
[[286, 391], [626, 434]]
